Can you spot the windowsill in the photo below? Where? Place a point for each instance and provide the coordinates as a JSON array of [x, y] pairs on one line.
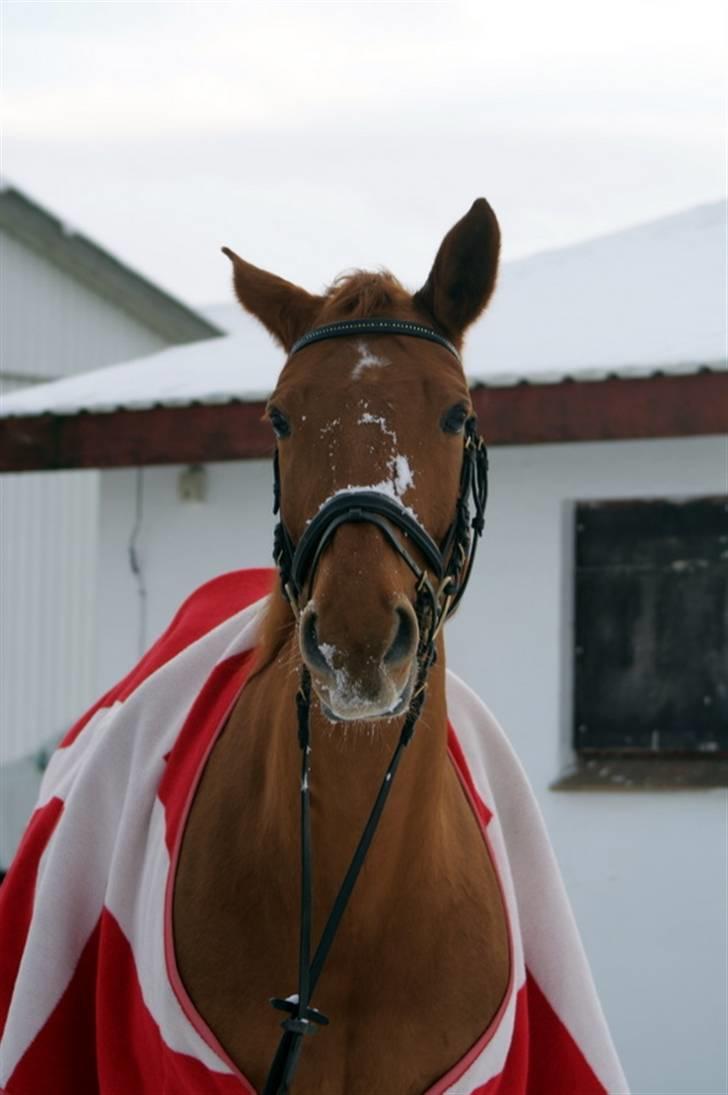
[[615, 772]]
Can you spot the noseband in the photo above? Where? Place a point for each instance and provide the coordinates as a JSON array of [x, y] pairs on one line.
[[441, 572]]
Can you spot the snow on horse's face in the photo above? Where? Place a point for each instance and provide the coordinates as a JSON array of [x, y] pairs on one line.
[[374, 411], [367, 414]]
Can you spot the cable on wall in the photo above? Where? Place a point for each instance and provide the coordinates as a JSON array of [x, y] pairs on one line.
[[135, 562]]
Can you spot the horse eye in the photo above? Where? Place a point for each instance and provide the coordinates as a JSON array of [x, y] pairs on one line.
[[279, 422], [453, 420]]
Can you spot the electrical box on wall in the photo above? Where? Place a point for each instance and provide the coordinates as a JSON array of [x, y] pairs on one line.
[[192, 484]]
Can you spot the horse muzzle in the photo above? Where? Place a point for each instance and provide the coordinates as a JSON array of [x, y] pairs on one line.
[[362, 680]]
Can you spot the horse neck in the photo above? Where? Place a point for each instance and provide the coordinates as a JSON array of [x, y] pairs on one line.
[[347, 765]]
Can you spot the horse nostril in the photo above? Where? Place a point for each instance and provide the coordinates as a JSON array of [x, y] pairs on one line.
[[310, 644], [405, 639]]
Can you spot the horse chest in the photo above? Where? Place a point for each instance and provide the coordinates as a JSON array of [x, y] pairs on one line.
[[408, 987]]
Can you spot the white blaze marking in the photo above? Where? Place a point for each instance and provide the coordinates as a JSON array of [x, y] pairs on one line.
[[367, 360], [398, 466], [403, 475], [366, 418], [399, 474]]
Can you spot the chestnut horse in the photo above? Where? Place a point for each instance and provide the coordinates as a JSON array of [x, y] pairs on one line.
[[421, 961]]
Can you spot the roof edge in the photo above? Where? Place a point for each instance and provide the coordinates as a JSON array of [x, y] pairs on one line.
[[99, 271], [607, 410], [219, 396]]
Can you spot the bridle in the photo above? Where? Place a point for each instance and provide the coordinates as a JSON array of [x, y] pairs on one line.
[[450, 561], [437, 596]]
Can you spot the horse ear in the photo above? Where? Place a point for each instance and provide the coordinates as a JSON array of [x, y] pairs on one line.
[[286, 310], [464, 272]]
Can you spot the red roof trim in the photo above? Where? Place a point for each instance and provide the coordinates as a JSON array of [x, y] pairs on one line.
[[616, 409]]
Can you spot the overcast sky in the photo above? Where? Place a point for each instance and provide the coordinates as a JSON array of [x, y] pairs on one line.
[[312, 137]]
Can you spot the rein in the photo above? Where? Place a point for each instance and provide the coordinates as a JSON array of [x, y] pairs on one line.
[[451, 563]]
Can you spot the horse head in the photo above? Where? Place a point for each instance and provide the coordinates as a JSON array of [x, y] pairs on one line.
[[374, 411]]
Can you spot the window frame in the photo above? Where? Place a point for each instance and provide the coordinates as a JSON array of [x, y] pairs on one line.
[[617, 765]]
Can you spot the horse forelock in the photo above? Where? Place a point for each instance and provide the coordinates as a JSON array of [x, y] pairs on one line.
[[358, 294]]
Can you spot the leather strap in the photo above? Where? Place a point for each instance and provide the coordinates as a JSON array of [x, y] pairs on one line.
[[376, 325], [359, 506], [297, 563]]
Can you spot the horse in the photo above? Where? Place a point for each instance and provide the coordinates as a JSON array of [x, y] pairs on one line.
[[290, 800], [421, 962]]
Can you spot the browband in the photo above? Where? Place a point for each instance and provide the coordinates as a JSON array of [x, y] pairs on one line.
[[375, 326]]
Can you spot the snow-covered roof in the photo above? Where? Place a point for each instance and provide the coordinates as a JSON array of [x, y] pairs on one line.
[[68, 248], [645, 299], [641, 301]]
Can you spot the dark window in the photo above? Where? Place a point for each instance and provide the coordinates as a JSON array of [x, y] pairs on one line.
[[651, 627]]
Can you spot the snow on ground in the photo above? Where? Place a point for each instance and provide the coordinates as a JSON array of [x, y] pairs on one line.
[[645, 298]]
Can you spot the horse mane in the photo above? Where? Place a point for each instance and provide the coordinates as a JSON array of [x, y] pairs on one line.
[[357, 294]]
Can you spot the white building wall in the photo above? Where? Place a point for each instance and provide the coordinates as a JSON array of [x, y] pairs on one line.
[[50, 326], [179, 546], [646, 871], [48, 558], [53, 325]]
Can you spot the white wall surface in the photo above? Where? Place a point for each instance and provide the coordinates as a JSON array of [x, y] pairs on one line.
[[179, 545], [51, 326], [647, 872], [48, 557]]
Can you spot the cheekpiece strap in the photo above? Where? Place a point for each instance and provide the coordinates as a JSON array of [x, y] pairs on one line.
[[373, 326]]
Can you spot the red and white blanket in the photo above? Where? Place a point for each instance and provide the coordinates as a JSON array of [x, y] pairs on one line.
[[90, 998]]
